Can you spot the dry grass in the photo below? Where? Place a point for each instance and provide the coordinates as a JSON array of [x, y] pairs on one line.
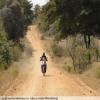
[[90, 76], [98, 73]]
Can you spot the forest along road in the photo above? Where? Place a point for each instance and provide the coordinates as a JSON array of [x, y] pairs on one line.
[[55, 83]]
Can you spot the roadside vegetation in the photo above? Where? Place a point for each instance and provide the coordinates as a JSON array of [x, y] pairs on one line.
[[77, 23], [15, 17]]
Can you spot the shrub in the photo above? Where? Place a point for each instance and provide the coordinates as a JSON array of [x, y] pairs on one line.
[[68, 68], [98, 73], [15, 53], [57, 50], [96, 48], [80, 55], [97, 51], [4, 48], [88, 56]]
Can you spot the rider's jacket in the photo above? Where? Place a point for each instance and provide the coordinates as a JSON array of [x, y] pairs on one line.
[[43, 58]]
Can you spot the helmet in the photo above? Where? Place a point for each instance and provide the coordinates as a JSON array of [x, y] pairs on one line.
[[43, 53]]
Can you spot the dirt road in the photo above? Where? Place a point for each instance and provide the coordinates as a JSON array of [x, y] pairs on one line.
[[55, 83]]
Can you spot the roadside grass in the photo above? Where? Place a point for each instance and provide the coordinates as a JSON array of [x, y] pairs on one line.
[[73, 48], [14, 71], [97, 73], [68, 68]]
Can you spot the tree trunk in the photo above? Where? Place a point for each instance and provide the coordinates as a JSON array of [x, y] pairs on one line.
[[89, 40], [85, 40]]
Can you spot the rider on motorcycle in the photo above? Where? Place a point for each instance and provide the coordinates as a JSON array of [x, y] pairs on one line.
[[43, 59]]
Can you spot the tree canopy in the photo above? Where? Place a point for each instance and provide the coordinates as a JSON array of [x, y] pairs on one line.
[[72, 17], [16, 16]]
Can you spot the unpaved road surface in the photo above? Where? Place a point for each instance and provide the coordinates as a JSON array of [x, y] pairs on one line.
[[55, 83]]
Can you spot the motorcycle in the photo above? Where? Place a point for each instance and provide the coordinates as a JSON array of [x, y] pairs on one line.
[[43, 67]]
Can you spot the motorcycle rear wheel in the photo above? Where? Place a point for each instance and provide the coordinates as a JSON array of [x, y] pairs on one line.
[[43, 68]]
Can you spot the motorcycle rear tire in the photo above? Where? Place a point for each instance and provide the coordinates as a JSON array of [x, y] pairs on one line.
[[44, 68]]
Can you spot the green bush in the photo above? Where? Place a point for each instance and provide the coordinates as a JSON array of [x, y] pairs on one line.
[[4, 48], [9, 51], [9, 54]]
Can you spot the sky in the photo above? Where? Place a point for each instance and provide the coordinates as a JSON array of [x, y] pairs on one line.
[[40, 2]]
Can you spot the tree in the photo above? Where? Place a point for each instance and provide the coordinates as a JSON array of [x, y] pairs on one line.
[[89, 19], [13, 21], [47, 16], [37, 10], [17, 15], [27, 11], [75, 16], [2, 3]]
